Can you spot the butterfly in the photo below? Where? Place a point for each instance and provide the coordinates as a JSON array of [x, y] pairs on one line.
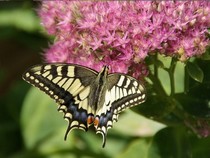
[[85, 96]]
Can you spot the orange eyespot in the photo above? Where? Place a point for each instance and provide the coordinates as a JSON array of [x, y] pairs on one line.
[[90, 120], [96, 121]]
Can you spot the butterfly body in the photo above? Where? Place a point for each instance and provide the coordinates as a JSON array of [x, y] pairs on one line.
[[98, 90], [86, 96]]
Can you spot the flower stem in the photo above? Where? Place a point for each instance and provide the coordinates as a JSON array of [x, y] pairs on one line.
[[157, 85], [172, 107], [155, 66], [171, 75]]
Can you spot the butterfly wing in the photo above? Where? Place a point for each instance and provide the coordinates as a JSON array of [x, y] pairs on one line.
[[69, 85], [125, 92], [122, 92]]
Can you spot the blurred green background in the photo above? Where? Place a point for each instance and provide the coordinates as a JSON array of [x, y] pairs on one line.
[[30, 125], [21, 42]]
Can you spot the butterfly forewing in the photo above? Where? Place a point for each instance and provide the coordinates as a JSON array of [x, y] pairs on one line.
[[69, 86], [127, 90]]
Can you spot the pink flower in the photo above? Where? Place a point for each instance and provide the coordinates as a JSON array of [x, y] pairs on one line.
[[122, 34]]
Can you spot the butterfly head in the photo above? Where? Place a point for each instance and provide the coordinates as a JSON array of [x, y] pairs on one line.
[[104, 71], [105, 68]]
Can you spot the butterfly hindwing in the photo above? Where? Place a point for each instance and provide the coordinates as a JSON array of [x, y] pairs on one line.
[[69, 86]]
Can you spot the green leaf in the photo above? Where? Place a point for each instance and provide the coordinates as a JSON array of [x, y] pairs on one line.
[[154, 107], [206, 55], [195, 71], [136, 149], [179, 75], [195, 102], [11, 102], [177, 142], [205, 66], [170, 142], [133, 124], [24, 19], [196, 99], [200, 147], [41, 123]]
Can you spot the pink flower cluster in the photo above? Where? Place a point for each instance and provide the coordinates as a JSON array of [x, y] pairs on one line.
[[121, 33]]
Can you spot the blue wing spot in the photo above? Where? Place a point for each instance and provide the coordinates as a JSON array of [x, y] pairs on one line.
[[83, 116], [71, 107], [104, 118]]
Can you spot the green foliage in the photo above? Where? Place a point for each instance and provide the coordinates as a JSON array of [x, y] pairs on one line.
[[10, 103], [15, 18], [194, 71], [178, 97]]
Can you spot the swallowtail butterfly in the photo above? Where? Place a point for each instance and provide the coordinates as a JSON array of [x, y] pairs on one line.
[[86, 96]]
